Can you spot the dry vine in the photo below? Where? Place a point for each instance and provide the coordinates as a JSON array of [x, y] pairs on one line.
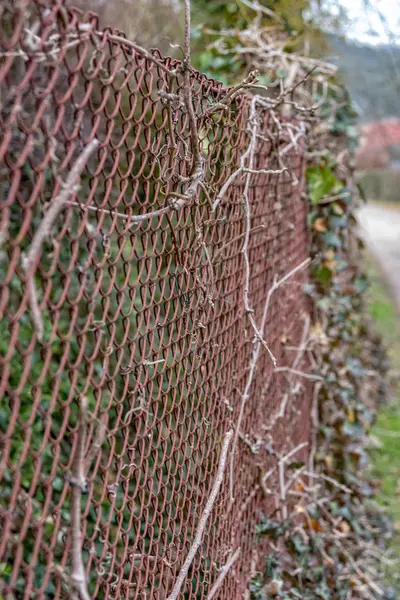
[[78, 481], [259, 342], [30, 261], [204, 518], [223, 573]]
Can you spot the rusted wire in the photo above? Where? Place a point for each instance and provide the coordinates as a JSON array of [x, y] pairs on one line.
[[142, 317]]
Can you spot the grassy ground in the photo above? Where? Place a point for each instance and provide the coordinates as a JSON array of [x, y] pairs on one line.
[[386, 458]]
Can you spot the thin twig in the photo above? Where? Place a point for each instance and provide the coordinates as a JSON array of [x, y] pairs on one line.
[[294, 451], [172, 140], [236, 238], [262, 9], [201, 244], [294, 477], [248, 82], [359, 572], [249, 153], [276, 285], [228, 184], [254, 358], [205, 191], [282, 487], [260, 339], [281, 469], [121, 40], [30, 261], [97, 442], [331, 480], [187, 95], [263, 478], [265, 171], [133, 219], [308, 376], [314, 430], [246, 289], [60, 572], [223, 573], [78, 575], [292, 371], [204, 518], [78, 483], [289, 275]]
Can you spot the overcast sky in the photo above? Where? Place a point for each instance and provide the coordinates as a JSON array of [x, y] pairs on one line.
[[374, 21]]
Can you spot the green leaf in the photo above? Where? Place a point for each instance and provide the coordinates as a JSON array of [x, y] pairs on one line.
[[332, 240], [298, 544], [273, 528], [323, 275], [321, 183], [353, 430]]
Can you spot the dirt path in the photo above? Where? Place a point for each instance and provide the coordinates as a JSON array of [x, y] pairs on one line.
[[380, 228]]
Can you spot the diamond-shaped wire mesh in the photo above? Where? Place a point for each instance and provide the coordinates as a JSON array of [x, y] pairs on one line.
[[145, 320]]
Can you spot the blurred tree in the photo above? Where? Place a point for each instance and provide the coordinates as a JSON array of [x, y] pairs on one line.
[[295, 25]]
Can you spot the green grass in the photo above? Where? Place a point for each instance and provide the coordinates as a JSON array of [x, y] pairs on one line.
[[385, 459]]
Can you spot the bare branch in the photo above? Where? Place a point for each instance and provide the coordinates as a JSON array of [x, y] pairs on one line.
[[30, 261], [59, 571], [223, 573], [374, 587], [289, 275], [248, 82], [204, 518], [97, 442], [134, 219], [260, 8], [78, 575], [121, 40], [283, 506], [294, 451], [281, 469], [263, 478], [228, 184], [78, 481], [314, 430], [265, 171], [260, 338], [235, 239], [331, 480], [309, 376], [259, 331], [294, 477], [292, 371], [205, 191]]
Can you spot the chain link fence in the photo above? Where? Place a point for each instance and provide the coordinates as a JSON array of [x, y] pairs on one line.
[[125, 342]]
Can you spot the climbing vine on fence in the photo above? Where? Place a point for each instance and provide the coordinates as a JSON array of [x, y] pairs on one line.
[[334, 543]]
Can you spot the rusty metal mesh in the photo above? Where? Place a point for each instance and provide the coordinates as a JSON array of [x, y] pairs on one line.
[[135, 318]]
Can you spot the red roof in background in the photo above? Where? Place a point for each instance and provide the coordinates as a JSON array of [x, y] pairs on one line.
[[380, 134]]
